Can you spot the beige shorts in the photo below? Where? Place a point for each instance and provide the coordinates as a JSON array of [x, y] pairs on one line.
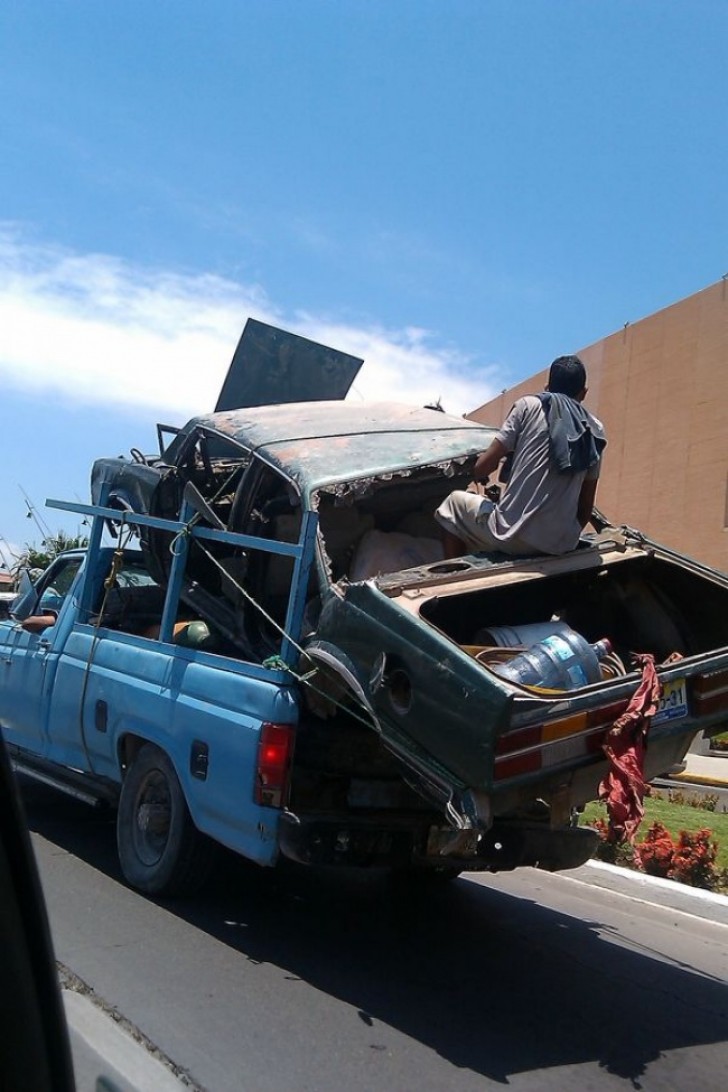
[[465, 515]]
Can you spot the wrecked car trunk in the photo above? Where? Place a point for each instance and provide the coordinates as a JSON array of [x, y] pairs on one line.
[[419, 644], [640, 601]]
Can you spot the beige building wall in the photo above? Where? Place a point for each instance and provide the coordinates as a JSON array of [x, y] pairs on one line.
[[660, 387]]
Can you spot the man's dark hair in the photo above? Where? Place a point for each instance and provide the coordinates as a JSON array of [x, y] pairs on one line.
[[567, 375]]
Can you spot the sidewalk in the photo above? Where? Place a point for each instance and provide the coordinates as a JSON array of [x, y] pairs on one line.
[[106, 1056], [709, 770], [653, 890]]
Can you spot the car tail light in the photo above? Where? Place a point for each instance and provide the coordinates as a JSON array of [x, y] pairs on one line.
[[710, 693], [527, 750], [275, 752]]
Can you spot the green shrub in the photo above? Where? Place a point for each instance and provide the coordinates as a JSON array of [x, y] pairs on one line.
[[703, 801]]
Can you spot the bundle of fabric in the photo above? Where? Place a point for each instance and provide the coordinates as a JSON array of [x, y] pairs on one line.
[[623, 789]]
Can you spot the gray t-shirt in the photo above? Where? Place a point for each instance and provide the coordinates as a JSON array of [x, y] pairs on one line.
[[539, 504]]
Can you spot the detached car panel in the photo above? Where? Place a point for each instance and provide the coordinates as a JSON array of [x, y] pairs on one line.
[[272, 365]]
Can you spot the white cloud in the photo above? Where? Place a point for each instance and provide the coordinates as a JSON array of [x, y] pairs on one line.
[[98, 330]]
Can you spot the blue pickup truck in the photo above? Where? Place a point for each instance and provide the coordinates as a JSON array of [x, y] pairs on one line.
[[236, 675], [272, 653], [112, 703]]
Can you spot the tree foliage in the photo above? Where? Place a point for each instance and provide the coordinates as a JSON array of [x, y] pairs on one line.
[[40, 556]]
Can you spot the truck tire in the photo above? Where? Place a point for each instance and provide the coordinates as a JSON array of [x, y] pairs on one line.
[[161, 852]]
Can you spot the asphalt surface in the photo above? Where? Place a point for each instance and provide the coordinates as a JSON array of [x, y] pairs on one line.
[[103, 1047]]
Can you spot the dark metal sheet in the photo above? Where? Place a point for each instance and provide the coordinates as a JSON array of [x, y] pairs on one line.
[[271, 366]]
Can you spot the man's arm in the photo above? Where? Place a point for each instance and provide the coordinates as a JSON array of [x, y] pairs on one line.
[[489, 460], [36, 623], [587, 497]]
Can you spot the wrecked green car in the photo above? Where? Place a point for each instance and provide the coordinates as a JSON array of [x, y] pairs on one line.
[[412, 749]]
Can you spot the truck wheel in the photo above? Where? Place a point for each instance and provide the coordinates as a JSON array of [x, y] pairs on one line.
[[161, 852]]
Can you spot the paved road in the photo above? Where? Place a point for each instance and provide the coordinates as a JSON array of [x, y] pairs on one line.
[[311, 982]]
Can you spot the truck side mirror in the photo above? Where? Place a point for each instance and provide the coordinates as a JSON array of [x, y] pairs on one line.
[[27, 598]]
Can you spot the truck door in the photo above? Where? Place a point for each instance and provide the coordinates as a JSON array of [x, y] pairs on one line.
[[29, 659]]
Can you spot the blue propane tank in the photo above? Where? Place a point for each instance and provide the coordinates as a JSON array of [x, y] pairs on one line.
[[562, 661]]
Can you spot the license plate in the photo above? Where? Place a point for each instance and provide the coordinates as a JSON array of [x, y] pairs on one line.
[[673, 703]]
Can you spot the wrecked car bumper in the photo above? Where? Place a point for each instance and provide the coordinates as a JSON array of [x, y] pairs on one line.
[[348, 841]]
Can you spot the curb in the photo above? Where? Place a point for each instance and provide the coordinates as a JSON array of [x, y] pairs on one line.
[[105, 1056], [700, 779], [653, 890]]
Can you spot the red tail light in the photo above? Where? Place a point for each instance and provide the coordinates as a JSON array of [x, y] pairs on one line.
[[275, 751], [711, 693], [527, 750]]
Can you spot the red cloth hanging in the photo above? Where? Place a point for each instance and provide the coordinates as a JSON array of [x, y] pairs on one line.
[[623, 788]]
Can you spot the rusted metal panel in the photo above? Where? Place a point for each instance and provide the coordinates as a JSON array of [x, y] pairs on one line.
[[272, 365], [319, 443]]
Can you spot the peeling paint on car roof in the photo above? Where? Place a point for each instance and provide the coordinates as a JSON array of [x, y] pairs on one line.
[[316, 443]]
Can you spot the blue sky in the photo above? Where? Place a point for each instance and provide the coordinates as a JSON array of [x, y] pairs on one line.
[[456, 190]]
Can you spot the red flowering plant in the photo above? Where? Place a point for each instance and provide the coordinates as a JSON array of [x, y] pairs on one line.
[[690, 860], [693, 861], [654, 855]]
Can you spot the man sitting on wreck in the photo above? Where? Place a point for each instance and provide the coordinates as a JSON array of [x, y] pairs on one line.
[[552, 448]]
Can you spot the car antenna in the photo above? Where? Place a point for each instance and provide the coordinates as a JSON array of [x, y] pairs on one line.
[[32, 513], [4, 556]]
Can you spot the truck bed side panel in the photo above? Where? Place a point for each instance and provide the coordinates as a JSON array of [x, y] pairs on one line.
[[186, 702]]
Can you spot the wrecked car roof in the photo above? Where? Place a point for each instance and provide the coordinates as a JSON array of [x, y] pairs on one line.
[[320, 442]]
